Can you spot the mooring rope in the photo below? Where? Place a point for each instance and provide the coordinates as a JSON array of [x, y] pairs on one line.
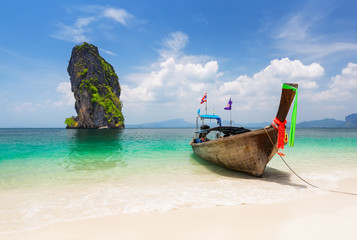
[[308, 183]]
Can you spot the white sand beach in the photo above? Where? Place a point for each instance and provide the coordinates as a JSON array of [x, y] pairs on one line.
[[322, 216]]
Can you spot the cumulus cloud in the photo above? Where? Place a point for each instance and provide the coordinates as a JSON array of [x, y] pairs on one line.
[[271, 78], [343, 87], [259, 90], [175, 77], [80, 30], [292, 70], [178, 82], [67, 98], [172, 81]]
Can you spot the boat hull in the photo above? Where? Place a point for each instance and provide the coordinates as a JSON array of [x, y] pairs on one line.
[[248, 152]]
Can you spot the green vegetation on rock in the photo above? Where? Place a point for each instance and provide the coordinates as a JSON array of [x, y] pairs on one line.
[[108, 69], [85, 47], [83, 73], [71, 122], [108, 100]]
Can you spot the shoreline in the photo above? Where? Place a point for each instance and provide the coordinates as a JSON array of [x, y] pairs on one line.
[[321, 216]]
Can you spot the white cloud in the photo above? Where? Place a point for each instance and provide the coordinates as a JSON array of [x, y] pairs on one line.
[[175, 77], [26, 107], [118, 15], [67, 98], [296, 28], [257, 92], [84, 22], [316, 50], [108, 52], [301, 33], [71, 33], [271, 78], [173, 87], [173, 81], [343, 87], [80, 30], [173, 44], [293, 70]]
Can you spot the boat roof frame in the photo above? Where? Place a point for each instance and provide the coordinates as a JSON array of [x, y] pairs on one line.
[[219, 121]]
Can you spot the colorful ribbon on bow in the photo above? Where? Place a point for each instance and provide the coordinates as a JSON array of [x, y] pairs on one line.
[[280, 126], [293, 115]]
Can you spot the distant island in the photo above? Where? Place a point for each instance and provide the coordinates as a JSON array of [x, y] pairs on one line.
[[350, 122]]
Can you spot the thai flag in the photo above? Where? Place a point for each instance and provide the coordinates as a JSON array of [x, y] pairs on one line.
[[204, 99], [229, 105]]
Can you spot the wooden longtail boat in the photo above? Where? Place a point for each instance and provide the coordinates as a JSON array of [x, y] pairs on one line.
[[242, 149]]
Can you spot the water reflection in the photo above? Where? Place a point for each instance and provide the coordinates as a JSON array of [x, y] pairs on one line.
[[92, 149]]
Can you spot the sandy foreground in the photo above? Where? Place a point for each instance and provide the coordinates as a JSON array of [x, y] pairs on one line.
[[325, 216]]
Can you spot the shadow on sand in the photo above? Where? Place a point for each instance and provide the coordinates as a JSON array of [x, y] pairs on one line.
[[269, 175]]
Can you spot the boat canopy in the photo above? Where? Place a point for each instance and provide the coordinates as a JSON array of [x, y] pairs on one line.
[[229, 130], [212, 117]]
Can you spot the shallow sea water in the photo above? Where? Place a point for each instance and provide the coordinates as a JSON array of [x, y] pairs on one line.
[[58, 174]]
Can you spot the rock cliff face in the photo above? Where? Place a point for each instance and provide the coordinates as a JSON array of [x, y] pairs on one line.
[[96, 89]]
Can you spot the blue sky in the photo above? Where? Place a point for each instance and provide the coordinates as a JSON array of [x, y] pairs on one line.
[[167, 54]]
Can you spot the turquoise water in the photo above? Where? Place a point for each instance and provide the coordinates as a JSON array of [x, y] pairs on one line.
[[58, 174]]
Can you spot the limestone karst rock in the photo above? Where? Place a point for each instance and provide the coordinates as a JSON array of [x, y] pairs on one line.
[[96, 90]]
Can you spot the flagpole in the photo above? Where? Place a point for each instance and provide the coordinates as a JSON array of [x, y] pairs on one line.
[[230, 111], [229, 107], [206, 104]]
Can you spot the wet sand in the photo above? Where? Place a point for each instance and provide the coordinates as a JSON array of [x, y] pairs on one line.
[[324, 216]]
